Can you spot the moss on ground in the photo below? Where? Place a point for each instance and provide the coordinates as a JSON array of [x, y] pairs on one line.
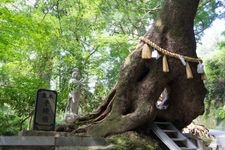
[[133, 141]]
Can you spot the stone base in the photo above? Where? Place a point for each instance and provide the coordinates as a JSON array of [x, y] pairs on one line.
[[27, 148], [50, 140], [55, 148], [43, 133]]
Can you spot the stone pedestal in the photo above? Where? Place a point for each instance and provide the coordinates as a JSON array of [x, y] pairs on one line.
[[51, 140], [43, 133]]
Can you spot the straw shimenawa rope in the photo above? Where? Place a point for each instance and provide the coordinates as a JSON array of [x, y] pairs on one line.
[[169, 53]]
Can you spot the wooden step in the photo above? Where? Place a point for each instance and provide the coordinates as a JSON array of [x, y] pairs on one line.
[[186, 148], [181, 142], [172, 137], [170, 131], [179, 139]]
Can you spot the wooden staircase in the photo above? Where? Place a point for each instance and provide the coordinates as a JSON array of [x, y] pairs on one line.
[[172, 137]]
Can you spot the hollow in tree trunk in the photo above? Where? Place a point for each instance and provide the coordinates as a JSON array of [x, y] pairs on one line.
[[132, 102]]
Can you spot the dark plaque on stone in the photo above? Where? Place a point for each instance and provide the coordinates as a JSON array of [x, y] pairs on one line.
[[45, 110]]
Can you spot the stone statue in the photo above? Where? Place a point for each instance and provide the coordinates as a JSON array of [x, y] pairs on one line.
[[72, 108]]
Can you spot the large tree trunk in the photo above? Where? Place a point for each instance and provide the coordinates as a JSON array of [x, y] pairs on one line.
[[132, 101]]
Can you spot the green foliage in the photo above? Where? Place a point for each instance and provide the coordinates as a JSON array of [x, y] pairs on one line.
[[208, 11], [220, 113], [41, 41], [10, 121], [216, 76], [215, 99]]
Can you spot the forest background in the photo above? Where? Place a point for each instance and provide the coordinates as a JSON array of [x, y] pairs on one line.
[[41, 41]]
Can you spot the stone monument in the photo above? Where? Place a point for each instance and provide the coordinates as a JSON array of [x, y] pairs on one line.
[[45, 110]]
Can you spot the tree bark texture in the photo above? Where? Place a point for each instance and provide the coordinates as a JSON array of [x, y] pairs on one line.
[[132, 102]]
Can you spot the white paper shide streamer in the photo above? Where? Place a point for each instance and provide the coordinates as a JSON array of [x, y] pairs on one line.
[[182, 60], [155, 54], [200, 68]]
